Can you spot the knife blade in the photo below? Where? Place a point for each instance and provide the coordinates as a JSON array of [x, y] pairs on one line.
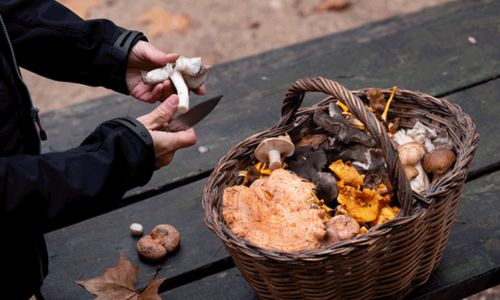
[[193, 116]]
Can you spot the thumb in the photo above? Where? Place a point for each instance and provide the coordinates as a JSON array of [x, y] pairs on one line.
[[161, 115], [149, 56]]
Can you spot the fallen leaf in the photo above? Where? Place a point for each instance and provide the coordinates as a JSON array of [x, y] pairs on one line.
[[151, 290], [81, 8], [161, 21], [329, 5], [119, 283]]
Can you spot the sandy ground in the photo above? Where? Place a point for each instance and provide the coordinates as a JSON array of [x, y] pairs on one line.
[[218, 30]]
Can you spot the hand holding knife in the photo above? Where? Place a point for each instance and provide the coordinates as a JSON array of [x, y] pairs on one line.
[[193, 116]]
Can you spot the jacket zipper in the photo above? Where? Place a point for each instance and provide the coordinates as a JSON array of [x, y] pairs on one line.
[[34, 110]]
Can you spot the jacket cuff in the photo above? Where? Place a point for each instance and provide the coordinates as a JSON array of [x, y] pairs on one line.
[[138, 129], [120, 50]]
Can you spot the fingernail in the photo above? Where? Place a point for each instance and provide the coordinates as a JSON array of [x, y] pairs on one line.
[[173, 101]]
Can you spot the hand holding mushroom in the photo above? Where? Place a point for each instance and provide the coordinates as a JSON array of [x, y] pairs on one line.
[[185, 73]]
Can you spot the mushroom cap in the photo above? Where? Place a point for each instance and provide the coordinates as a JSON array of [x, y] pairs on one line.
[[150, 249], [281, 143], [341, 228], [411, 153], [167, 236], [439, 161]]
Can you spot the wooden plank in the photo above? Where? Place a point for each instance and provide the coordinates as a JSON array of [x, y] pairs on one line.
[[84, 250], [428, 51], [482, 103], [471, 260]]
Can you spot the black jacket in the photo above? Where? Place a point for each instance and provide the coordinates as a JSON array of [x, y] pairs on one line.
[[39, 192]]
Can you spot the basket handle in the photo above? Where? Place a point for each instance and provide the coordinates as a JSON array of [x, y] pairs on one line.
[[293, 101]]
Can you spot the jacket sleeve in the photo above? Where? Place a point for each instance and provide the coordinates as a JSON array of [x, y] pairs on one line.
[[52, 41], [56, 189]]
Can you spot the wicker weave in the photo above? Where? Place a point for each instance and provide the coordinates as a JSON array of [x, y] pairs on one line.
[[388, 261]]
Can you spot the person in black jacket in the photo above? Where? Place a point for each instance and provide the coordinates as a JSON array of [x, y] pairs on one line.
[[42, 191]]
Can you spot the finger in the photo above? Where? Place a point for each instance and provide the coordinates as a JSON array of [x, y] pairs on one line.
[[161, 115], [201, 90], [153, 57], [173, 141]]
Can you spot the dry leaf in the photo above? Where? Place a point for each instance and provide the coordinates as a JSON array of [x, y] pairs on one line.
[[151, 290], [81, 8], [329, 5], [119, 283], [161, 21]]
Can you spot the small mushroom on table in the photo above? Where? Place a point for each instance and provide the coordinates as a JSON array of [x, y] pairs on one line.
[[271, 150], [164, 239]]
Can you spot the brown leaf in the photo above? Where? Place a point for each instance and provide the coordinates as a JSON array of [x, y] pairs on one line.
[[81, 8], [329, 5], [119, 283], [161, 21], [151, 290]]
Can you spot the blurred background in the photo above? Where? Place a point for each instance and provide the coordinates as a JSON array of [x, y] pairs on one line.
[[219, 30]]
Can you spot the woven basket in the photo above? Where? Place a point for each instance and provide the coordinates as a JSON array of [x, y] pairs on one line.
[[390, 259]]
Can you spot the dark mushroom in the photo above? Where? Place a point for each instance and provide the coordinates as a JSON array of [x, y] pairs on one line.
[[337, 125]]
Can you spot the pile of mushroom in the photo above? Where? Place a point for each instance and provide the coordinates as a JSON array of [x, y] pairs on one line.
[[164, 239], [186, 74], [421, 150], [338, 162]]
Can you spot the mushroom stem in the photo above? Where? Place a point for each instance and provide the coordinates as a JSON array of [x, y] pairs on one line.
[[182, 91], [274, 159]]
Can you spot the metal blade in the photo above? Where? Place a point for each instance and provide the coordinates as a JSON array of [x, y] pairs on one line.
[[193, 116]]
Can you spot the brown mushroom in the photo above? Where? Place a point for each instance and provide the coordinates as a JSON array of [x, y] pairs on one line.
[[271, 150], [168, 235], [151, 249], [341, 228], [376, 99], [411, 153], [411, 172], [439, 161], [164, 239]]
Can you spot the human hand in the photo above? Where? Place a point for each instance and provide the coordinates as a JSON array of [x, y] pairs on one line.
[[166, 143], [143, 57]]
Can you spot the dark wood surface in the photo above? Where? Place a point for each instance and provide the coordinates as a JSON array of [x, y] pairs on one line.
[[428, 51]]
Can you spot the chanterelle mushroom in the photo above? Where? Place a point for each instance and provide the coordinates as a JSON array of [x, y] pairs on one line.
[[186, 74], [271, 150]]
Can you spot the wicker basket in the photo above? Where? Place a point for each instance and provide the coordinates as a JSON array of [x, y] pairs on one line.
[[388, 261]]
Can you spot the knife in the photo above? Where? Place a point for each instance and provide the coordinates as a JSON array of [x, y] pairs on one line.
[[193, 116]]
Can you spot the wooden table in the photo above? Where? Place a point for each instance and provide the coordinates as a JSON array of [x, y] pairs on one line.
[[431, 51]]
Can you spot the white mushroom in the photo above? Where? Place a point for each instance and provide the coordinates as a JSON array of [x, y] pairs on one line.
[[411, 153], [186, 74], [136, 229], [271, 150]]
